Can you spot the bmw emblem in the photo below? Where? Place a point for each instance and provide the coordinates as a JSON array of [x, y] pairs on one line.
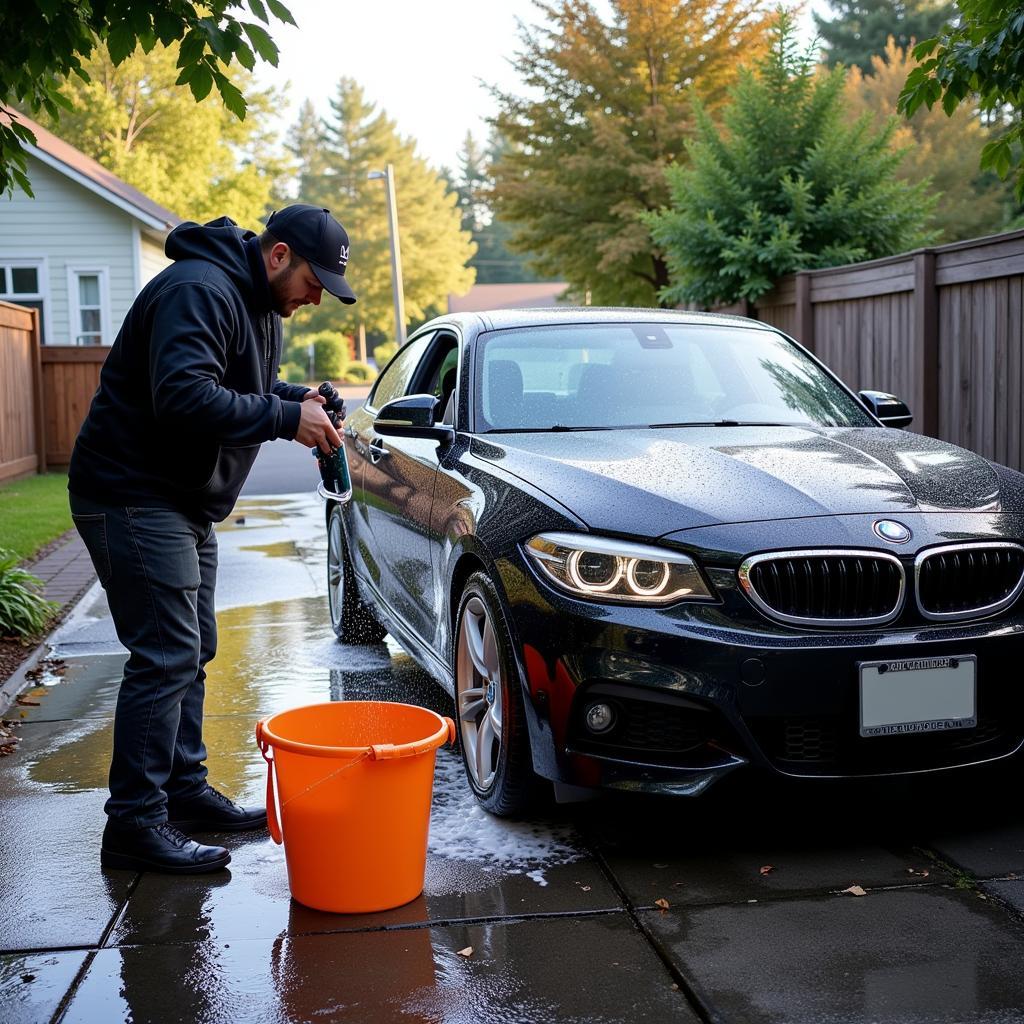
[[890, 530]]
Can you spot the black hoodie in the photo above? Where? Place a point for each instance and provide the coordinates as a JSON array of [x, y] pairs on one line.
[[189, 390]]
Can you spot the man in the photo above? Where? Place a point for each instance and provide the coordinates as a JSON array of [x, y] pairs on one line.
[[186, 396]]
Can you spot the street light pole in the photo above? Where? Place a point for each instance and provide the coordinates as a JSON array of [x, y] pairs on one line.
[[388, 174]]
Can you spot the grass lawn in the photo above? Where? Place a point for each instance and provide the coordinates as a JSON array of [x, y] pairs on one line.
[[33, 511]]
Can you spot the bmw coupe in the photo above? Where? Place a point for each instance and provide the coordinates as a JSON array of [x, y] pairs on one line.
[[644, 549]]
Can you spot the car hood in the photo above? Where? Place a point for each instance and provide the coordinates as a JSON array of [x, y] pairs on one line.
[[652, 482]]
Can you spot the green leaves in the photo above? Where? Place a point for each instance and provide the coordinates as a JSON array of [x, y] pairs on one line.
[[791, 184], [979, 59], [39, 52], [23, 612]]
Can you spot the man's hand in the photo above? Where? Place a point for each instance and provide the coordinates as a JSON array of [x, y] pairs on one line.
[[315, 427], [312, 395]]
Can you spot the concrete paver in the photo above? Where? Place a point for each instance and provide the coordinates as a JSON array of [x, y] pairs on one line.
[[930, 954], [32, 985], [516, 972]]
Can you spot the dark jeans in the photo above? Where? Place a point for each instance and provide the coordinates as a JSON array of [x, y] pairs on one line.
[[159, 569]]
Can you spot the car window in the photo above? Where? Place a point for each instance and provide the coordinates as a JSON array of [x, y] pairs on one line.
[[630, 375], [397, 374]]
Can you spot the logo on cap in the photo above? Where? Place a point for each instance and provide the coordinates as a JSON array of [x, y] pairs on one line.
[[890, 530], [343, 256]]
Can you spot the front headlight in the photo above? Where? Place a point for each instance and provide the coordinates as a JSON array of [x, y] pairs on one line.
[[603, 569]]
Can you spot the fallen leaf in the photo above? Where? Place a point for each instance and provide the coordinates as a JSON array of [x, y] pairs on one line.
[[26, 703], [468, 951], [664, 904], [661, 865], [856, 890], [767, 869], [585, 888], [919, 872]]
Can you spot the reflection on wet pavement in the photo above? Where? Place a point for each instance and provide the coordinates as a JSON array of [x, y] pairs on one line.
[[560, 911]]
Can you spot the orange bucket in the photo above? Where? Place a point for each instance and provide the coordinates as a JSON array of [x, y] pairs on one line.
[[352, 800]]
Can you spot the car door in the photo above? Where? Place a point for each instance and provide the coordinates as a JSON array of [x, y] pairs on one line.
[[398, 486], [363, 447]]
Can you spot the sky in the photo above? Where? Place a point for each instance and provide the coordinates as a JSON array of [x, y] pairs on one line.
[[423, 63]]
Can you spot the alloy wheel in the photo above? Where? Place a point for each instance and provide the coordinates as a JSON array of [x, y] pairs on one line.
[[335, 571], [479, 693]]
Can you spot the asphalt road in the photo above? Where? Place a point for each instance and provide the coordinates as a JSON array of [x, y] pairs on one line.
[[285, 467]]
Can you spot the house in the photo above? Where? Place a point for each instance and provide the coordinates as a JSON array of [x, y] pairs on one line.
[[81, 250], [508, 296]]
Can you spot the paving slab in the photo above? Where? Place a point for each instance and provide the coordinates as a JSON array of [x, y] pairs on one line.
[[477, 867], [930, 955], [985, 850], [1010, 891], [32, 985], [54, 893], [516, 972]]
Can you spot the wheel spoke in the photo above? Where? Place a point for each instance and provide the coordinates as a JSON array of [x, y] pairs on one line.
[[484, 742], [472, 704], [475, 643], [490, 650], [494, 720]]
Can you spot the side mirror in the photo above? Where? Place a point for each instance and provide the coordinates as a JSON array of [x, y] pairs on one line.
[[888, 408], [413, 416]]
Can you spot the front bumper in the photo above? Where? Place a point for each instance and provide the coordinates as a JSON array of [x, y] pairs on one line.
[[703, 689]]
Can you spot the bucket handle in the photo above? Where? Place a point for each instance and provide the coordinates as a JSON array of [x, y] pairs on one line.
[[273, 816], [376, 751]]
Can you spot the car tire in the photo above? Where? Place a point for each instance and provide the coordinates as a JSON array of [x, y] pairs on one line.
[[493, 734], [353, 621]]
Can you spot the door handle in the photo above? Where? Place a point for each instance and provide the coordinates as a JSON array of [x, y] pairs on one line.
[[377, 451]]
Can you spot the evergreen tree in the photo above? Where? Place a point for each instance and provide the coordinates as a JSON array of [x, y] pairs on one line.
[[198, 160], [335, 157], [609, 107], [791, 185], [942, 150], [473, 184], [860, 29]]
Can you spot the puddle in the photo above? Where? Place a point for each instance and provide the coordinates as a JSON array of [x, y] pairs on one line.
[[279, 549]]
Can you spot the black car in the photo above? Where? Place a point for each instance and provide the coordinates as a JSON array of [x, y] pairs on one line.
[[643, 549]]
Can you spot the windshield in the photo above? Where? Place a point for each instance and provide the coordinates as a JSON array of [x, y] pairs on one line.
[[603, 376]]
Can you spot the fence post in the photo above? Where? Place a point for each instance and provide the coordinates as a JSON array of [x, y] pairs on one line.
[[804, 310], [37, 387], [926, 339]]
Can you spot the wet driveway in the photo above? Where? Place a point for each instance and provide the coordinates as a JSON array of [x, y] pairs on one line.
[[762, 902]]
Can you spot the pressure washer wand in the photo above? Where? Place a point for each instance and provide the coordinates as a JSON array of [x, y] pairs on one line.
[[337, 483]]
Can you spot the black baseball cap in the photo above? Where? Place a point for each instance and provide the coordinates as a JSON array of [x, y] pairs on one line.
[[320, 240]]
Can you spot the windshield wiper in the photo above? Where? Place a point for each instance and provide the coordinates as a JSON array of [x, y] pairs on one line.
[[723, 423], [555, 428]]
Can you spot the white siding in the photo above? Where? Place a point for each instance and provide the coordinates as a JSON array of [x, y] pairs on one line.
[[70, 227], [153, 259]]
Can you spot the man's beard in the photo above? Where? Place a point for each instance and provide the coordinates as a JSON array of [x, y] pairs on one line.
[[283, 305]]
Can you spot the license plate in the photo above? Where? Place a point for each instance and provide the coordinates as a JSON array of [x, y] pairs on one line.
[[917, 695]]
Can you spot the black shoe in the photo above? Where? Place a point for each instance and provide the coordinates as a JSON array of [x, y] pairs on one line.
[[158, 848], [211, 811]]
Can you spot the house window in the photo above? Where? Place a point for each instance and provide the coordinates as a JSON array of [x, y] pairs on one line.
[[23, 282], [88, 306]]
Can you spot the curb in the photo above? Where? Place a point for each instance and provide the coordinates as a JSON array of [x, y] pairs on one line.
[[18, 681]]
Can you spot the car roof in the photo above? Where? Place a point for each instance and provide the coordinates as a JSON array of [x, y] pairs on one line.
[[542, 316]]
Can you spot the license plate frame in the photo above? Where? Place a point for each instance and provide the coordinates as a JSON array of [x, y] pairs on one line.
[[912, 696]]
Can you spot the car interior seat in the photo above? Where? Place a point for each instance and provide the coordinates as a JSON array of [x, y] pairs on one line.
[[503, 393]]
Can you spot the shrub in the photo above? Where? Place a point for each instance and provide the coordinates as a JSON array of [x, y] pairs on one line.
[[293, 373], [23, 611], [383, 352], [358, 373]]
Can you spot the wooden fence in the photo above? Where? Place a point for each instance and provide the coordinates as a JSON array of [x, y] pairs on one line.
[[943, 328], [71, 375], [21, 429], [45, 391]]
